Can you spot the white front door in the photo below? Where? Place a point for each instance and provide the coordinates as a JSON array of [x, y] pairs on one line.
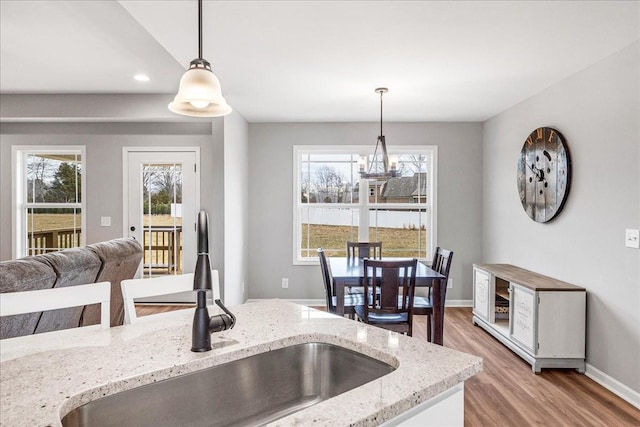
[[162, 199]]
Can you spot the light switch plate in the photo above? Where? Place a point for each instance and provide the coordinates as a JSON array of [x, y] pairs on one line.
[[105, 221], [632, 238]]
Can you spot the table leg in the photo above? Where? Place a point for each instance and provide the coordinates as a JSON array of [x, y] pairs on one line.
[[437, 323], [338, 289]]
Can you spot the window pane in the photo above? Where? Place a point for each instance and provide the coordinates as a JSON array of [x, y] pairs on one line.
[[53, 178], [402, 232], [327, 228], [402, 189], [50, 230], [410, 164], [162, 219], [328, 178]]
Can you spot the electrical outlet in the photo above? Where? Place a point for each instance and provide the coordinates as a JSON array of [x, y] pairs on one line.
[[105, 221], [449, 283], [285, 283], [632, 238]]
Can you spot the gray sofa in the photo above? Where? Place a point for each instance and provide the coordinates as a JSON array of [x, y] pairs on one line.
[[111, 261]]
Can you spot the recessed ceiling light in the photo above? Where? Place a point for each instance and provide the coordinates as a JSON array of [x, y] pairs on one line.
[[141, 77]]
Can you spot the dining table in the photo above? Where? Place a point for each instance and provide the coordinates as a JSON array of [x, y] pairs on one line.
[[349, 272]]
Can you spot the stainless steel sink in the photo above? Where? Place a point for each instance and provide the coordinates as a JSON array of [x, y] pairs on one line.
[[251, 391]]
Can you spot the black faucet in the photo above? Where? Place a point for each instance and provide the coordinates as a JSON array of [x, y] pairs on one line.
[[203, 325]]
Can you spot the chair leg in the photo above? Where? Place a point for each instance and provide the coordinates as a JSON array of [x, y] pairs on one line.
[[429, 328]]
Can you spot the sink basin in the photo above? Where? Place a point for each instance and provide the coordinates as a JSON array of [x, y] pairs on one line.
[[251, 391]]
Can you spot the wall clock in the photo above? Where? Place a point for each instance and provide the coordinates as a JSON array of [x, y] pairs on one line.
[[544, 174]]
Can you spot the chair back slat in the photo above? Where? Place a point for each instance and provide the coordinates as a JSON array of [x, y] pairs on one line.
[[394, 283], [442, 261], [364, 250], [161, 285], [327, 278], [12, 303]]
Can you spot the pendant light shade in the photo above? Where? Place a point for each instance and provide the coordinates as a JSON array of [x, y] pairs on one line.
[[199, 94]]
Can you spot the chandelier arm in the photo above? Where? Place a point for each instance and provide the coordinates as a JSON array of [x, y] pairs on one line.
[[199, 29], [373, 159], [385, 156]]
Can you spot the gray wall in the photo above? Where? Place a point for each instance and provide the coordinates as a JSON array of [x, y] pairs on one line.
[[236, 208], [104, 141], [598, 112], [270, 197]]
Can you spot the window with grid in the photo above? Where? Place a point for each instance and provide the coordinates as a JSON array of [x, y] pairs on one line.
[[332, 205], [48, 199]]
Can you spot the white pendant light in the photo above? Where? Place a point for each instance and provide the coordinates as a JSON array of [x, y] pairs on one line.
[[200, 94]]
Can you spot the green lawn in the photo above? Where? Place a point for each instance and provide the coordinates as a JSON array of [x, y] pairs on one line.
[[398, 242]]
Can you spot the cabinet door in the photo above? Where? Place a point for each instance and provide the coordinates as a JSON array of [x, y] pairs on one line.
[[523, 317], [481, 292]]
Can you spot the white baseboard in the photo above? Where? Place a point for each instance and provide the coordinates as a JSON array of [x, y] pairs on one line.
[[458, 303], [613, 385]]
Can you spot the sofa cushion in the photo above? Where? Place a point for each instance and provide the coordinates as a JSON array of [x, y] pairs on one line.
[[23, 275], [120, 260], [76, 266]]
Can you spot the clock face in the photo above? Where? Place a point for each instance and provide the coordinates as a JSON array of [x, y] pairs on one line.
[[544, 174]]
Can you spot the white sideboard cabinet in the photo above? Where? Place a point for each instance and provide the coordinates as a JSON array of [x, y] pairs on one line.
[[539, 318]]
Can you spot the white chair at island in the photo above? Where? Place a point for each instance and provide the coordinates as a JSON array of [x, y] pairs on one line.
[[13, 303], [161, 285]]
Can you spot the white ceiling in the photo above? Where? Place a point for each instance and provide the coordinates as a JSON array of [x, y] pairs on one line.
[[316, 60]]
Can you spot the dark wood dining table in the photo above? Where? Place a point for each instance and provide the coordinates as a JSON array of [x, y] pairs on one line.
[[350, 272]]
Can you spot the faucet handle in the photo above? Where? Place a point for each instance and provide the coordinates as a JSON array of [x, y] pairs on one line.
[[222, 322]]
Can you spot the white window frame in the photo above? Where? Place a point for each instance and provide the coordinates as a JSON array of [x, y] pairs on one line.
[[431, 151], [19, 203]]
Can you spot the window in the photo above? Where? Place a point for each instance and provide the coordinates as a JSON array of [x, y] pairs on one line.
[[48, 200], [333, 205]]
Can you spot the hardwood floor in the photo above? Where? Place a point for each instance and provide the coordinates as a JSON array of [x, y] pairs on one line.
[[507, 393]]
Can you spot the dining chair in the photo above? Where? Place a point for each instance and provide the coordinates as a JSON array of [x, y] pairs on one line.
[[422, 305], [361, 250], [350, 300], [392, 308], [23, 302], [364, 250], [160, 285]]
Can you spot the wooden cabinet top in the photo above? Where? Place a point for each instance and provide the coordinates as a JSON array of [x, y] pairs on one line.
[[528, 279]]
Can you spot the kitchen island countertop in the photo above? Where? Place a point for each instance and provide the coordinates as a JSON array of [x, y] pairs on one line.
[[42, 378]]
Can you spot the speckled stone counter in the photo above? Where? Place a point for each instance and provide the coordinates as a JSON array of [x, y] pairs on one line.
[[42, 378]]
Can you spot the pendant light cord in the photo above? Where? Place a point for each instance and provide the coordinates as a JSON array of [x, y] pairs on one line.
[[200, 29], [381, 92]]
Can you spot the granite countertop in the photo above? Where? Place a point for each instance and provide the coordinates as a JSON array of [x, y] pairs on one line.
[[43, 377]]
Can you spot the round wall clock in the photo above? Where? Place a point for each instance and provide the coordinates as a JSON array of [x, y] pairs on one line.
[[544, 174]]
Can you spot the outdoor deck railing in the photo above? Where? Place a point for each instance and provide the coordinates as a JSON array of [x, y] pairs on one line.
[[45, 241], [162, 245]]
